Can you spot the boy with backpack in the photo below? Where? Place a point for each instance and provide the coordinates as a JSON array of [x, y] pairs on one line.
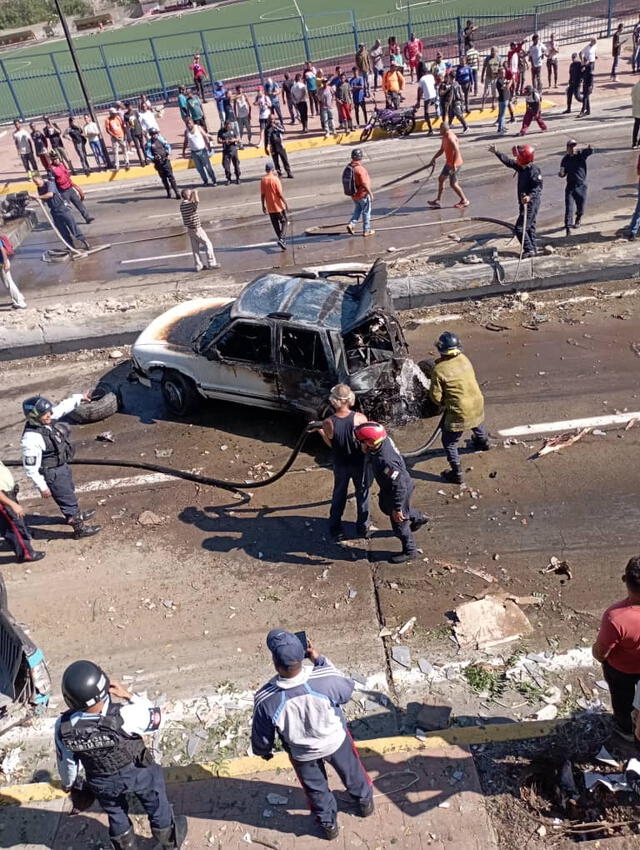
[[357, 185], [6, 250]]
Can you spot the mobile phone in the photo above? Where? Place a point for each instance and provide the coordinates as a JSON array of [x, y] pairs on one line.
[[302, 637]]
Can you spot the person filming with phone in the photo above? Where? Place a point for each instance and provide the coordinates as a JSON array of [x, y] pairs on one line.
[[302, 705]]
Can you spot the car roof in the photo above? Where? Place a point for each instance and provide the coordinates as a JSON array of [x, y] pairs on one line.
[[310, 300]]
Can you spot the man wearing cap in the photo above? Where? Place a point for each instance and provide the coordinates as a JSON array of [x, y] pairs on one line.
[[66, 187], [199, 76], [574, 167], [302, 706], [114, 125], [158, 150], [274, 204], [358, 184]]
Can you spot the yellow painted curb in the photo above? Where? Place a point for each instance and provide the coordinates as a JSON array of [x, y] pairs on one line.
[[352, 138], [43, 792]]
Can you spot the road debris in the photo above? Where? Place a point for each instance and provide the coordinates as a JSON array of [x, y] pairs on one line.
[[106, 437], [116, 354], [163, 452], [431, 718], [489, 622], [485, 576], [11, 762], [559, 567], [635, 347], [547, 712], [561, 441], [149, 518], [402, 656], [277, 799]]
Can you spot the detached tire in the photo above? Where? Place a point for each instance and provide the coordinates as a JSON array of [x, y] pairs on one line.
[[104, 403], [179, 392]]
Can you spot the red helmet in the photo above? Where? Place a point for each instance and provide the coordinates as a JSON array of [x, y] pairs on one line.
[[370, 433], [524, 154]]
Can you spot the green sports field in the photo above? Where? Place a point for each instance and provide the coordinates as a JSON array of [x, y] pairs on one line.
[[237, 39]]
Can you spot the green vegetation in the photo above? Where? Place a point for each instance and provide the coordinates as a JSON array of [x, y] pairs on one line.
[[23, 13], [485, 680]]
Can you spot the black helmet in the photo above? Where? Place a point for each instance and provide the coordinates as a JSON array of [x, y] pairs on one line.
[[356, 153], [84, 684], [448, 343], [35, 406]]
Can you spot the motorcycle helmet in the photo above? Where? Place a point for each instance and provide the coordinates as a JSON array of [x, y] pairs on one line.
[[448, 343], [370, 433], [356, 153], [524, 154], [35, 407], [84, 684]]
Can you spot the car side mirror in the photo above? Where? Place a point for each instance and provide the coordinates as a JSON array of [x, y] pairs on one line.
[[212, 353]]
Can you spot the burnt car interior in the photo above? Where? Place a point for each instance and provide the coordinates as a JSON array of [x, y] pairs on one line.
[[303, 349], [247, 341], [368, 343]]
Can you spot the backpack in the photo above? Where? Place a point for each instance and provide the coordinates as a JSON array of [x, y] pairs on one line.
[[349, 181], [6, 244]]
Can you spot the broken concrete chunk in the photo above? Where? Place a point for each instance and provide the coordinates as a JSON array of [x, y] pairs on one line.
[[548, 712], [116, 354], [106, 437], [489, 622], [402, 656], [163, 452], [277, 800], [425, 666], [149, 518], [434, 717]]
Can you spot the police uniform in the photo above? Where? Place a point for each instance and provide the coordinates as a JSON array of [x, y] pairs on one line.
[[348, 465], [13, 527], [575, 170], [115, 759], [396, 487], [529, 183], [46, 451]]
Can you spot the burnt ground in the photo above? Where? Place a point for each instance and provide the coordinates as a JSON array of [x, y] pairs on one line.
[[181, 608]]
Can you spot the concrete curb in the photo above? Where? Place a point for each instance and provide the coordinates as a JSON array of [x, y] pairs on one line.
[[43, 792], [292, 146]]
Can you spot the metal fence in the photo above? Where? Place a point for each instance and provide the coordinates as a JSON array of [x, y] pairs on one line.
[[46, 82]]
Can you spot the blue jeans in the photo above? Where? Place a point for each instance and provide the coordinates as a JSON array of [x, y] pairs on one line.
[[502, 108], [635, 218], [147, 783], [362, 208], [202, 162], [96, 147], [451, 441]]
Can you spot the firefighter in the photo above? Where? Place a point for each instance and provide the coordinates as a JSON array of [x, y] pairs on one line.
[[46, 452], [455, 388], [529, 193], [105, 738], [396, 487]]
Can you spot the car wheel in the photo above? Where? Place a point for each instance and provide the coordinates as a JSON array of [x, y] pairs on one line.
[[179, 392], [104, 403]]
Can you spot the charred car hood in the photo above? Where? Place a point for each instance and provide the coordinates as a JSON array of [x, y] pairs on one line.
[[394, 390], [179, 325]]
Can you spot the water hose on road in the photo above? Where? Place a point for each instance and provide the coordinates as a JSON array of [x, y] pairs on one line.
[[222, 483], [57, 256]]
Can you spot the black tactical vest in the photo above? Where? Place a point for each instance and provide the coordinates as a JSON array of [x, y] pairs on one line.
[[101, 745], [58, 449]]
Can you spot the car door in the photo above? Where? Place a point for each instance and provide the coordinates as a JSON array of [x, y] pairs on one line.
[[242, 365], [304, 362]]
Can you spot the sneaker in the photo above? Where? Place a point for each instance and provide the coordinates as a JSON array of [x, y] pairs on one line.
[[368, 233], [402, 558], [282, 244], [577, 222], [36, 556], [350, 229], [19, 306], [435, 204], [462, 204], [365, 807], [83, 530], [331, 832]]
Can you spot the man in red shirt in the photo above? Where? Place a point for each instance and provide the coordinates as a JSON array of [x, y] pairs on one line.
[[66, 187], [411, 51], [199, 76], [362, 196], [617, 648], [450, 147], [274, 204]]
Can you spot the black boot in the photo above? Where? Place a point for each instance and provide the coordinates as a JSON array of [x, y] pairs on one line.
[[365, 807], [85, 515], [480, 444], [331, 832], [403, 557], [126, 841], [417, 523], [171, 837], [81, 529], [36, 556], [454, 475]]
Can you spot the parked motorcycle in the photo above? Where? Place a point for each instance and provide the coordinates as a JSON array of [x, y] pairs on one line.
[[396, 122]]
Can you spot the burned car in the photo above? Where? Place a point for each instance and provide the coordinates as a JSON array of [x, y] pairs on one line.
[[25, 684], [283, 343]]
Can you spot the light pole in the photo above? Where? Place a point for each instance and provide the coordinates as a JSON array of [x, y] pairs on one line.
[[81, 80]]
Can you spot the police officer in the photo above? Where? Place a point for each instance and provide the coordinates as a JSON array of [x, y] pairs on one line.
[[348, 461], [396, 487], [105, 738], [273, 145], [158, 150], [12, 524], [455, 388], [46, 451], [529, 192], [573, 166]]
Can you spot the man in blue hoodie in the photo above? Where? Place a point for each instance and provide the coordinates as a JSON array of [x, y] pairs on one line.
[[302, 705]]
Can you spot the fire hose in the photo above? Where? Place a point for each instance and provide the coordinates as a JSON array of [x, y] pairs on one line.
[[222, 483], [53, 256]]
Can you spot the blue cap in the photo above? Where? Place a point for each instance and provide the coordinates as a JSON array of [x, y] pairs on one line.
[[268, 166], [285, 648]]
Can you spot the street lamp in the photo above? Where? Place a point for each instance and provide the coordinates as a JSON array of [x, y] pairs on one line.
[[81, 80]]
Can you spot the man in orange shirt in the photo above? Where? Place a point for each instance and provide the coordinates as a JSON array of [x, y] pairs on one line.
[[274, 204], [356, 182], [617, 648], [392, 86], [450, 147], [114, 125]]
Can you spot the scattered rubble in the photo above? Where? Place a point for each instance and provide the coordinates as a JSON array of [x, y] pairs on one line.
[[562, 441], [559, 567], [489, 622], [150, 518], [106, 437]]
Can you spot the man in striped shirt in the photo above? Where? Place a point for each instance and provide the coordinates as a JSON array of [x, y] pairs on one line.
[[197, 235]]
